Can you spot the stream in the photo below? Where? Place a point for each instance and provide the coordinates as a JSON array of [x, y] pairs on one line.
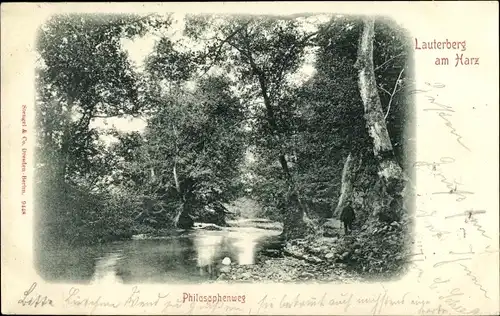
[[188, 257]]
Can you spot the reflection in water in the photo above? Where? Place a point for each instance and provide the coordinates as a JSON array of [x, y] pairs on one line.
[[246, 250], [105, 269], [208, 248], [191, 257], [245, 242]]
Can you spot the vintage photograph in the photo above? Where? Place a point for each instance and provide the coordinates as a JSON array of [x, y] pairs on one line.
[[198, 148]]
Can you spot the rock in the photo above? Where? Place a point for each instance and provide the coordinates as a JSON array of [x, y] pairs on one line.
[[307, 275], [332, 223], [329, 233], [272, 253], [226, 261], [329, 255], [223, 277], [325, 248], [327, 240], [246, 275], [315, 250], [211, 227], [316, 259], [225, 269], [139, 237]]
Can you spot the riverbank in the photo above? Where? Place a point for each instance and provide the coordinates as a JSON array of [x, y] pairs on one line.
[[257, 255], [371, 252], [314, 259], [289, 269]]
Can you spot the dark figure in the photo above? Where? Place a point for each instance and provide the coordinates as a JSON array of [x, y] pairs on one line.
[[185, 221], [347, 217]]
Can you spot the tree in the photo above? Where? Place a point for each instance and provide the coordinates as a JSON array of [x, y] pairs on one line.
[[189, 161], [262, 53], [331, 123], [83, 74], [390, 173], [333, 102], [226, 109]]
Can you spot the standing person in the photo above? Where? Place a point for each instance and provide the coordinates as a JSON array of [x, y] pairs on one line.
[[347, 217]]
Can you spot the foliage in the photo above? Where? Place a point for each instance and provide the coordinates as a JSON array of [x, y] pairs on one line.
[[378, 249], [189, 154], [75, 215], [231, 115], [83, 74]]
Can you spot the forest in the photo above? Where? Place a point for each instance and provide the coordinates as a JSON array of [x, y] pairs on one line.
[[299, 115]]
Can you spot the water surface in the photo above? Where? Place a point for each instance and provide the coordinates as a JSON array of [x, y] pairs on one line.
[[189, 257]]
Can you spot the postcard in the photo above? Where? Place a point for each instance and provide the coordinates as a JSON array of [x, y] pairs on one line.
[[250, 158]]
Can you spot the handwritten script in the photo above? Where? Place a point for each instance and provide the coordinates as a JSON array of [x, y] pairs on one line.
[[453, 268], [451, 237], [34, 299]]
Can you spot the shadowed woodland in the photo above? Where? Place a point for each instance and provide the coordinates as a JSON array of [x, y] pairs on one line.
[[304, 120]]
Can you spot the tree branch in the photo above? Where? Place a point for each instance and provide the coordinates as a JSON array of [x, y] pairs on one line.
[[316, 33], [113, 24], [221, 44], [389, 60], [241, 52], [302, 43], [380, 87], [135, 115], [394, 91]]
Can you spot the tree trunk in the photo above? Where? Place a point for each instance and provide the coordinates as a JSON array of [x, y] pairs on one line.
[[183, 218], [346, 188], [390, 173], [176, 179], [295, 217]]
